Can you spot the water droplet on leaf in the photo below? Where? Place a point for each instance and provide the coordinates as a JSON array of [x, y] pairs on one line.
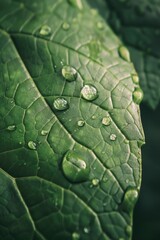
[[113, 137], [60, 104], [65, 26], [89, 92], [95, 181], [106, 121], [81, 123], [11, 128], [74, 168], [100, 25], [44, 132], [86, 230], [32, 145], [135, 78], [130, 199], [75, 236], [45, 30], [69, 73], [124, 53], [128, 230], [137, 95]]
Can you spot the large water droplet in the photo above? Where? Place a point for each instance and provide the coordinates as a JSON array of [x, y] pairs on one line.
[[60, 104], [75, 236], [76, 3], [124, 53], [11, 128], [32, 145], [81, 123], [106, 121], [130, 199], [74, 168], [89, 92], [69, 73], [113, 137], [65, 26], [135, 78], [45, 30], [137, 95]]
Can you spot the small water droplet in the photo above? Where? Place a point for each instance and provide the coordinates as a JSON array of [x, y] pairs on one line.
[[126, 141], [127, 180], [113, 137], [129, 230], [75, 236], [25, 164], [100, 25], [76, 3], [81, 123], [32, 145], [74, 168], [69, 73], [93, 117], [86, 230], [106, 121], [89, 92], [137, 95], [95, 182], [60, 104], [124, 53], [65, 26], [130, 199], [105, 179], [45, 30], [11, 128], [135, 78], [44, 132], [94, 11]]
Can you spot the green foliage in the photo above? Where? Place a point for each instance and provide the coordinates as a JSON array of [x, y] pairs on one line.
[[70, 127]]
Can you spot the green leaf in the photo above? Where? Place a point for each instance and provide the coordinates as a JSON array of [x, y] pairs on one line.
[[137, 23], [70, 131]]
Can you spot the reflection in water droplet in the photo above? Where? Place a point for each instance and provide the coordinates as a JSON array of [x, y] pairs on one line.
[[44, 132], [69, 73], [11, 128], [89, 92], [45, 30], [75, 236], [137, 95], [124, 53], [32, 145], [95, 181], [65, 26], [81, 123], [76, 3], [130, 199], [86, 230], [113, 137], [135, 78], [106, 121], [60, 104], [74, 168]]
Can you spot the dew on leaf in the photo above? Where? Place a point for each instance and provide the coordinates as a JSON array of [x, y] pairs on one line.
[[130, 199], [126, 141], [75, 236], [137, 95], [135, 78], [106, 121], [44, 132], [100, 25], [113, 137], [45, 30], [65, 26], [32, 145], [86, 230], [95, 182], [89, 92], [60, 104], [124, 53], [11, 128], [76, 3], [69, 73], [74, 167], [81, 123]]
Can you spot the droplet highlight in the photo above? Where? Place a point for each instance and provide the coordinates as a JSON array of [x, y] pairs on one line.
[[44, 132], [89, 92], [81, 123], [11, 128], [32, 145], [106, 121], [124, 53], [74, 167], [137, 95], [45, 30], [60, 104], [113, 137], [69, 73]]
